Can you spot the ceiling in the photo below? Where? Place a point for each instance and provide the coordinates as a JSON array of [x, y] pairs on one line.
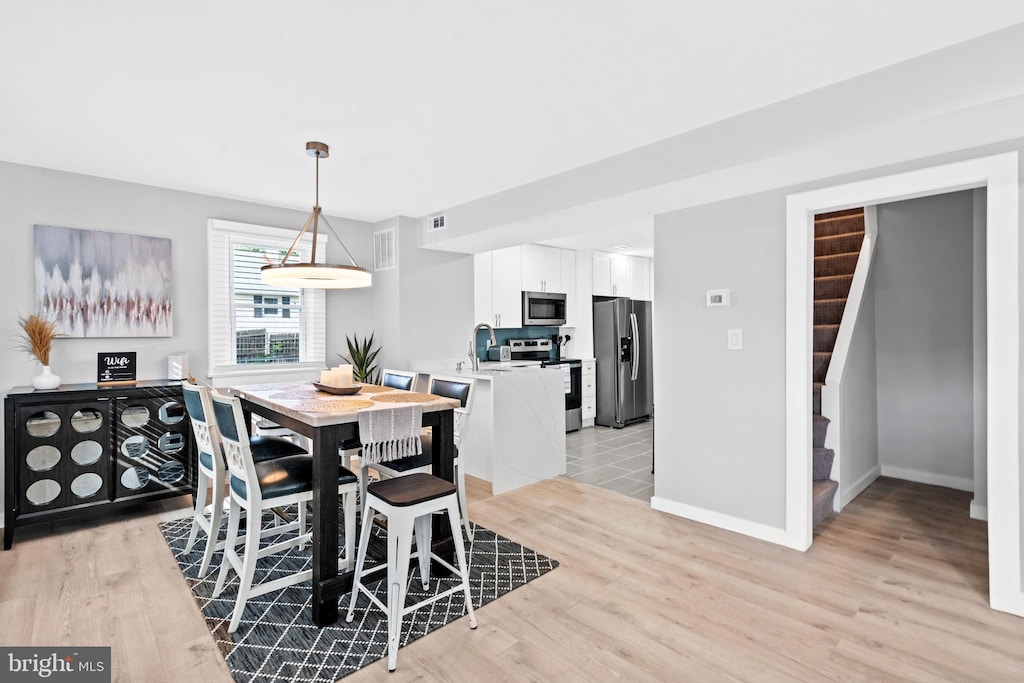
[[425, 105]]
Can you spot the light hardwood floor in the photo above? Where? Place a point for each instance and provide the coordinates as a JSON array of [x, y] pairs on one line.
[[893, 589]]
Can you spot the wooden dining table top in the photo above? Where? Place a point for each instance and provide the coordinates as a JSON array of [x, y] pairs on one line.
[[302, 401]]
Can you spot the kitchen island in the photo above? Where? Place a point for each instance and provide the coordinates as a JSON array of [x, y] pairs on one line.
[[515, 434]]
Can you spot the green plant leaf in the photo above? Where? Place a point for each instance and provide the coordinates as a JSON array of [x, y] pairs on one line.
[[362, 357]]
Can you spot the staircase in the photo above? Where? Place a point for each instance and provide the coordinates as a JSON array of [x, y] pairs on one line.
[[837, 240]]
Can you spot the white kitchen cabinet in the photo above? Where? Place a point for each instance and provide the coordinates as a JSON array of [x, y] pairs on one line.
[[622, 275], [483, 307], [568, 258], [588, 392], [640, 278], [507, 287], [602, 272], [497, 287], [613, 274], [542, 268]]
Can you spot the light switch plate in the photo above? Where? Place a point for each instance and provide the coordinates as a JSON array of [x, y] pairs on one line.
[[735, 340], [716, 297]]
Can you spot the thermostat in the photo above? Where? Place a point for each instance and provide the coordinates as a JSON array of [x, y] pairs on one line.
[[716, 297]]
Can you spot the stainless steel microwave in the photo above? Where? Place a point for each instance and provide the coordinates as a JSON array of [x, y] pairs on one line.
[[543, 308]]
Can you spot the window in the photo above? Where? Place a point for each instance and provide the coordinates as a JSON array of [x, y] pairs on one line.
[[254, 325]]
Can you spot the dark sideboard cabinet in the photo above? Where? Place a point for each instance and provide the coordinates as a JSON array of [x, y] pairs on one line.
[[82, 448]]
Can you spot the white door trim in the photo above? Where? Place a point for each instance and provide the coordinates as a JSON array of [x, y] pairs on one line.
[[998, 174]]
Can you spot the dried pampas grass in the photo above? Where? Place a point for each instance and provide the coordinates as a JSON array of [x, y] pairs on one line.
[[39, 336]]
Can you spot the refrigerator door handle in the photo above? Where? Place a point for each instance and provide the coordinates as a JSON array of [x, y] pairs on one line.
[[636, 347]]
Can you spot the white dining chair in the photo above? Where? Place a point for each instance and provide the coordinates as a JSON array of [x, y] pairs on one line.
[[211, 472], [256, 487], [398, 379]]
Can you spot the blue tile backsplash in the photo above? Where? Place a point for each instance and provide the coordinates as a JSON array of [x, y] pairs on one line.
[[502, 336]]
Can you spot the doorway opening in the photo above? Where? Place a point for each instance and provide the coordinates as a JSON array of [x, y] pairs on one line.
[[998, 174]]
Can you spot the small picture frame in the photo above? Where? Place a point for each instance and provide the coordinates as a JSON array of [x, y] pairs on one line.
[[115, 368]]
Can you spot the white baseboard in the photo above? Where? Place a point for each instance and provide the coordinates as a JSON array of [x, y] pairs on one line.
[[722, 521], [958, 483], [858, 487], [979, 511]]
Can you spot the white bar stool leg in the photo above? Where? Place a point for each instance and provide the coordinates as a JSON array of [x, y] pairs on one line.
[[357, 580], [423, 533], [399, 554], [460, 555]]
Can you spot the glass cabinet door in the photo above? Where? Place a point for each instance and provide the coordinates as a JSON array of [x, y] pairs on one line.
[[63, 455], [151, 445]]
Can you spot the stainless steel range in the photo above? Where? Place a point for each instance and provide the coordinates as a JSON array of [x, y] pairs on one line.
[[573, 372], [530, 349]]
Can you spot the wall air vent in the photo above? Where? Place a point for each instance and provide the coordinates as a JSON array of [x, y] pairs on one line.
[[385, 249], [437, 222]]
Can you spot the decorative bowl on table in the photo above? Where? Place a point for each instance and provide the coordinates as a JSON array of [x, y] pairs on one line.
[[340, 391]]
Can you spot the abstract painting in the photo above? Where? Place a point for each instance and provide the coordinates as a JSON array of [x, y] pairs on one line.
[[103, 284]]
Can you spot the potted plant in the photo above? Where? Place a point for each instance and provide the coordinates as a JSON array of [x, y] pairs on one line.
[[362, 356], [37, 341]]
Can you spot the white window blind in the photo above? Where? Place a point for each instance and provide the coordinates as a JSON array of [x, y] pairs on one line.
[[254, 327]]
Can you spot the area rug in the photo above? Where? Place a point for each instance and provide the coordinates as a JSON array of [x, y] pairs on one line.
[[276, 640]]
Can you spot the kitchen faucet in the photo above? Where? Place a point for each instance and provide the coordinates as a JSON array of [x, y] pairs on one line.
[[472, 344]]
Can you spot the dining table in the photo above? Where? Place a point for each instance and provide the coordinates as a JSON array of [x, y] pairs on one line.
[[329, 420]]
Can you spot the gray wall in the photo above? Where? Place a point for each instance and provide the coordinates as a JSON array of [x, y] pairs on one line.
[[924, 338], [722, 444], [979, 506], [424, 307], [858, 458], [30, 195]]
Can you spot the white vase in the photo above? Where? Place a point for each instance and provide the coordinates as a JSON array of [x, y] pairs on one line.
[[46, 379]]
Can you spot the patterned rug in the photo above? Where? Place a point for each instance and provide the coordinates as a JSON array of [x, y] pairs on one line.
[[276, 640]]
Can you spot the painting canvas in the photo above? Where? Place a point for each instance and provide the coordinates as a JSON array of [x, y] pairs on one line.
[[103, 284]]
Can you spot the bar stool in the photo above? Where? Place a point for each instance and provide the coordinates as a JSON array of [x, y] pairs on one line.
[[461, 389], [408, 502]]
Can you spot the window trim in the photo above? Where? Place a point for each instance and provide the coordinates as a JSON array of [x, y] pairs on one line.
[[221, 236]]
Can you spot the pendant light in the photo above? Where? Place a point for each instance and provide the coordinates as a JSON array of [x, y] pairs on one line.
[[313, 275]]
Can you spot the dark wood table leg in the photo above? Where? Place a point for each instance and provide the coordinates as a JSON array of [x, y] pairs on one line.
[[443, 453], [325, 523]]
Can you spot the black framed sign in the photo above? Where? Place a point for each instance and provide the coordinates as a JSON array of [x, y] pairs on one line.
[[115, 368]]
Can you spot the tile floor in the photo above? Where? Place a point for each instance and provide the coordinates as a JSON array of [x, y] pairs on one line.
[[615, 459]]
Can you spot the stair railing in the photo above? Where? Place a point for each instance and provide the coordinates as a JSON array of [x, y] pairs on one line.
[[831, 392]]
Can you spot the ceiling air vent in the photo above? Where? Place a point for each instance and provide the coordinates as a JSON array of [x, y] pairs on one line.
[[385, 249], [437, 222]]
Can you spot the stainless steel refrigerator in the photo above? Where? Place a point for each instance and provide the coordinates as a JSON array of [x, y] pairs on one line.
[[622, 345]]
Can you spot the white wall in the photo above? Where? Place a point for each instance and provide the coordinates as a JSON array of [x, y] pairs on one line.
[[924, 339], [858, 461], [720, 445]]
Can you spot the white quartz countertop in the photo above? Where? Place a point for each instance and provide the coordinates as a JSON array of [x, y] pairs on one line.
[[489, 370]]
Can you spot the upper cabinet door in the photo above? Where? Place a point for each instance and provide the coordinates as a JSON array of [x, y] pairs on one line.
[[483, 307], [602, 273], [542, 268], [532, 264], [621, 275], [641, 278], [568, 258], [507, 286]]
